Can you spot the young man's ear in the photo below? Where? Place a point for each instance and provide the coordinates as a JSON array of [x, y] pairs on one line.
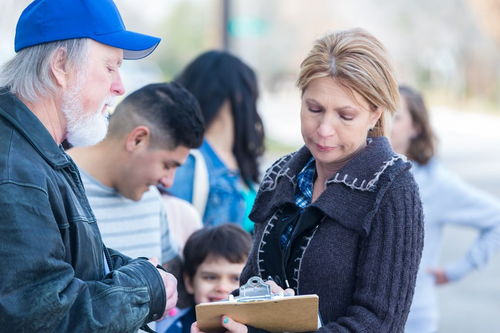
[[139, 137], [188, 283]]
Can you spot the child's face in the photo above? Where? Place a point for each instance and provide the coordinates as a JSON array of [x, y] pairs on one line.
[[214, 279]]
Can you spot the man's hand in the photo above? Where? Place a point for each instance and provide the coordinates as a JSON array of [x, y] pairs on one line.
[[170, 283], [195, 329], [439, 274]]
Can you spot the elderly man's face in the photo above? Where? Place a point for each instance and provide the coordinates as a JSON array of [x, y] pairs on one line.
[[90, 91]]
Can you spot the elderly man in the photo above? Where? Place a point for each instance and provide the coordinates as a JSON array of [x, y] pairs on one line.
[[56, 274]]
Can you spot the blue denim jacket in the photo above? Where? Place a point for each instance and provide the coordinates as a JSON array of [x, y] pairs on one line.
[[226, 200], [52, 259]]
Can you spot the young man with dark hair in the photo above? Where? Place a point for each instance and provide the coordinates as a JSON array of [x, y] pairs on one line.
[[149, 136]]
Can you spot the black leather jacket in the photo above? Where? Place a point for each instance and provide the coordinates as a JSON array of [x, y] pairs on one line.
[[52, 258]]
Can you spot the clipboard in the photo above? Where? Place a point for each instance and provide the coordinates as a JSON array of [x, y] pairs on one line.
[[258, 307]]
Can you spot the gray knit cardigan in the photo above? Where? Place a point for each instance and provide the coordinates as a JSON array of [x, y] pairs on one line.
[[362, 248]]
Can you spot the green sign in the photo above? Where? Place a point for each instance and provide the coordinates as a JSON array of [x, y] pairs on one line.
[[247, 27]]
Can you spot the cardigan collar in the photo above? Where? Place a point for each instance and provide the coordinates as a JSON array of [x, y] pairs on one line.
[[354, 186], [364, 170]]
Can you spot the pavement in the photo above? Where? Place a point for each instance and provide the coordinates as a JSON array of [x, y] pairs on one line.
[[469, 144]]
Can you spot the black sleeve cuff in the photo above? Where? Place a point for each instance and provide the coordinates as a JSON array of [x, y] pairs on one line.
[[157, 294]]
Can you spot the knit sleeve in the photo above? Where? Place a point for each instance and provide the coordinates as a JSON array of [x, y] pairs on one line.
[[387, 265]]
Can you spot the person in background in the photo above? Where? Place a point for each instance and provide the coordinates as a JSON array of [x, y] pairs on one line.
[[446, 200], [213, 260], [56, 274], [183, 220], [234, 140], [149, 137], [341, 217]]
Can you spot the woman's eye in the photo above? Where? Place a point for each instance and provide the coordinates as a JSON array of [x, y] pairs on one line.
[[347, 117], [110, 70]]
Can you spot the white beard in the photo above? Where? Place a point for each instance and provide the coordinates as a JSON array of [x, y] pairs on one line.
[[83, 129]]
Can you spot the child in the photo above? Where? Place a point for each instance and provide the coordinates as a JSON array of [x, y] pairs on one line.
[[213, 260]]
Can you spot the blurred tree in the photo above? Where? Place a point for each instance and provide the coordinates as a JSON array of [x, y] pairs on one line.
[[488, 12], [191, 27], [446, 46]]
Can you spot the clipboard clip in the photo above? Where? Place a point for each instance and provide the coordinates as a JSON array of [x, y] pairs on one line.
[[255, 290]]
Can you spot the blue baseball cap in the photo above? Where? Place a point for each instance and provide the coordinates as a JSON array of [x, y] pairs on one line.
[[52, 20]]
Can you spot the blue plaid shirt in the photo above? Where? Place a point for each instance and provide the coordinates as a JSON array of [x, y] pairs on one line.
[[303, 196]]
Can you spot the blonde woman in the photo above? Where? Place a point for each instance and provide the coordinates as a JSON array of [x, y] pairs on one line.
[[341, 217]]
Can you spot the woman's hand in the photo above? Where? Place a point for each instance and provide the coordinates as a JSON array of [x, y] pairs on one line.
[[230, 325], [275, 289]]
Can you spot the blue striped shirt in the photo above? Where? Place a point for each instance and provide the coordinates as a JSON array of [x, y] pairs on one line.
[[135, 228]]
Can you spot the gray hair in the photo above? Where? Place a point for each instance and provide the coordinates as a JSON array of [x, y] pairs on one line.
[[28, 74]]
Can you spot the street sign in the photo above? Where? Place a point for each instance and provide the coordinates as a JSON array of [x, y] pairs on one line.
[[247, 27]]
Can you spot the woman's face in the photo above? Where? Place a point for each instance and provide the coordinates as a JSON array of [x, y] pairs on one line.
[[334, 121], [403, 129]]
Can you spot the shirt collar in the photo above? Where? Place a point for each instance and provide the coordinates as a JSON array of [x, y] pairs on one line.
[[305, 179]]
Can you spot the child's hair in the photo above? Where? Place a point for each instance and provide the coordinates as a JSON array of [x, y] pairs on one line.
[[226, 241]]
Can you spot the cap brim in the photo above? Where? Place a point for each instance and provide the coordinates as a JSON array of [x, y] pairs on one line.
[[134, 45]]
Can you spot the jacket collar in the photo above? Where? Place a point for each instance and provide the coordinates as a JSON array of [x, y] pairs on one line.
[[354, 186], [31, 128]]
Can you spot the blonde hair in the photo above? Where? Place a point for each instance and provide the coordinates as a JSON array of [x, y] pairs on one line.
[[358, 61]]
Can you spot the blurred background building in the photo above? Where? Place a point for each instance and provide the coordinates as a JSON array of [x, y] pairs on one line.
[[449, 49]]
